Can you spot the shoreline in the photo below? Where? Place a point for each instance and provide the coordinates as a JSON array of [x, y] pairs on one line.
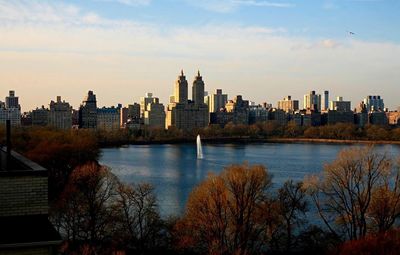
[[248, 140]]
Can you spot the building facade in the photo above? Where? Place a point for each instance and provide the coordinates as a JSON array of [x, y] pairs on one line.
[[60, 114], [288, 104], [10, 110], [88, 111], [154, 116], [184, 114], [108, 119], [374, 103], [312, 101], [340, 105]]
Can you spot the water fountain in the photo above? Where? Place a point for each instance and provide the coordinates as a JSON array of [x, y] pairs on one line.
[[199, 148]]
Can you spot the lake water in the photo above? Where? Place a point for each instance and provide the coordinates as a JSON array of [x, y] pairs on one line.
[[174, 170]]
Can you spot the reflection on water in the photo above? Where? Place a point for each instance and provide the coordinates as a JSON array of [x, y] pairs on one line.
[[174, 169]]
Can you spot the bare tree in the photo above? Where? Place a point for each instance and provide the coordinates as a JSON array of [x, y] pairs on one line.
[[344, 193], [139, 218], [292, 207]]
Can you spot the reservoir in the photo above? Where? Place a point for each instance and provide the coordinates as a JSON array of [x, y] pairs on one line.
[[174, 170]]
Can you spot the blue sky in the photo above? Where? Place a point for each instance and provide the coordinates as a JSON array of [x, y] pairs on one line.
[[263, 50]]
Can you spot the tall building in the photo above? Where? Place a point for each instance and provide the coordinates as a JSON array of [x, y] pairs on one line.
[[134, 112], [123, 116], [288, 105], [312, 101], [60, 114], [198, 90], [374, 103], [108, 118], [12, 100], [326, 100], [88, 111], [181, 90], [144, 101], [340, 105], [40, 116], [154, 116], [183, 114], [236, 111], [217, 101], [10, 110]]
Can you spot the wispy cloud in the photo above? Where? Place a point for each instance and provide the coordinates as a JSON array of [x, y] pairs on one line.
[[127, 2], [60, 48], [224, 6]]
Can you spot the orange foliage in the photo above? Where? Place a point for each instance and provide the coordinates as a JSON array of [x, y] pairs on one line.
[[387, 243]]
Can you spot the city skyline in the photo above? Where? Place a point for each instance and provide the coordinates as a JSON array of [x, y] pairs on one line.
[[263, 50]]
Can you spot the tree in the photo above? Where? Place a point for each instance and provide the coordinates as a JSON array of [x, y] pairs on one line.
[[85, 212], [140, 222], [345, 192], [385, 202], [227, 214], [293, 206]]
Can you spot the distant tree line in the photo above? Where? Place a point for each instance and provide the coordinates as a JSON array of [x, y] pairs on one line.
[[258, 131]]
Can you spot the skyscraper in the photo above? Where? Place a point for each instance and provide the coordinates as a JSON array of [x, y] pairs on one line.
[[88, 111], [374, 103], [187, 115], [288, 104], [217, 101], [326, 100], [312, 101], [144, 101], [198, 89], [181, 89], [12, 100], [10, 110]]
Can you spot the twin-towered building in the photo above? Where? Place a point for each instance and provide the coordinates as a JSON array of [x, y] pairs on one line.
[[187, 114]]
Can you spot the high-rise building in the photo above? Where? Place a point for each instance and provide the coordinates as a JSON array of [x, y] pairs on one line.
[[60, 114], [217, 101], [288, 104], [181, 90], [10, 110], [154, 116], [236, 111], [326, 100], [88, 111], [312, 101], [123, 116], [12, 100], [374, 103], [108, 118], [198, 89], [340, 105], [144, 101], [186, 115], [134, 112], [40, 117]]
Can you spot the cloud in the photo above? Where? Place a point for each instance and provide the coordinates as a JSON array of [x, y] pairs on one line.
[[225, 6], [127, 2], [60, 49]]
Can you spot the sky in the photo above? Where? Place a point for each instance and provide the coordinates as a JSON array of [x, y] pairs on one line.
[[263, 50]]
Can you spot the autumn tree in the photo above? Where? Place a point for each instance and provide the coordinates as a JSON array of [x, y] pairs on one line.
[[344, 194], [226, 213], [85, 211]]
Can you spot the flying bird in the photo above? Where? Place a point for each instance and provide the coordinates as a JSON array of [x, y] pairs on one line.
[[351, 33]]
